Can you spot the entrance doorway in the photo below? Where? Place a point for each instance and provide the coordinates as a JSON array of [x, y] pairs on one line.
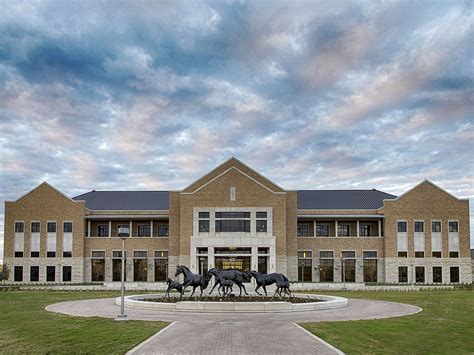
[[241, 263]]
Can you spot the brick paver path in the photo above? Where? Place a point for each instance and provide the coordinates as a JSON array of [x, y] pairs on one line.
[[236, 333]]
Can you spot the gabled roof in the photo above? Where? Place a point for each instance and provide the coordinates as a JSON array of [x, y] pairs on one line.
[[342, 199], [125, 200]]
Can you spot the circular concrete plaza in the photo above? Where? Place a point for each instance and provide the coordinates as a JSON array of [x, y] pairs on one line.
[[236, 333]]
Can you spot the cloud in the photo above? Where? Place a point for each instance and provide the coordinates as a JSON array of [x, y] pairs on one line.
[[148, 95]]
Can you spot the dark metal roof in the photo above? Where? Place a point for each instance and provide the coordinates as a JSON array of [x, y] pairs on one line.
[[341, 199], [125, 200]]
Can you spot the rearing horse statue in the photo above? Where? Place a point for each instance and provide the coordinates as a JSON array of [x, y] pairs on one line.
[[191, 279]]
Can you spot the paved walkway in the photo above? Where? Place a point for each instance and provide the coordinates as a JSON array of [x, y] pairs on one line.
[[236, 333]]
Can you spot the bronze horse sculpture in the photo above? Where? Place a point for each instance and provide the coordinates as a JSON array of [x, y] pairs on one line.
[[263, 280], [236, 276], [173, 285], [191, 279]]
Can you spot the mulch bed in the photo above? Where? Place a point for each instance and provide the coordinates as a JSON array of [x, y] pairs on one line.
[[232, 298]]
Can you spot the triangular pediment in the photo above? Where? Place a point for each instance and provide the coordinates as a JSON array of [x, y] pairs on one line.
[[44, 188], [426, 187], [233, 164]]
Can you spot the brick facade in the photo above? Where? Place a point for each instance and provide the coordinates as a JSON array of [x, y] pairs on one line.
[[214, 192]]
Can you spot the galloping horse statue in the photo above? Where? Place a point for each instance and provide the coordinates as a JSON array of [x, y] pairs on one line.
[[264, 280], [191, 279], [238, 277]]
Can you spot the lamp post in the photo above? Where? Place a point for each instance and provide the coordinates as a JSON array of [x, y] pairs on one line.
[[123, 233]]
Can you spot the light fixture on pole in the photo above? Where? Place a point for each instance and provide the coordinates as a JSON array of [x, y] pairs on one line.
[[123, 233]]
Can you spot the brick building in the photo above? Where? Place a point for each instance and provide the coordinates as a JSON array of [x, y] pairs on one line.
[[233, 217]]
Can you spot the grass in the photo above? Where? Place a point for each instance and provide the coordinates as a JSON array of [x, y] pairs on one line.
[[445, 326], [26, 327]]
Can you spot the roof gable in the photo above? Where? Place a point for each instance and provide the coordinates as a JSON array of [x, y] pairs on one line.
[[44, 187], [233, 164], [425, 185]]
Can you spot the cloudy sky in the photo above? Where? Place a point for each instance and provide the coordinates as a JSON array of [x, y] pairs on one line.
[[153, 94]]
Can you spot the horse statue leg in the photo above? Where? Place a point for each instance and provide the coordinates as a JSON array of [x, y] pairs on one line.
[[194, 289], [213, 287], [256, 290], [245, 289], [265, 289]]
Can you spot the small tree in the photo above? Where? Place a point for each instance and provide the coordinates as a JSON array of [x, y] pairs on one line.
[[5, 273]]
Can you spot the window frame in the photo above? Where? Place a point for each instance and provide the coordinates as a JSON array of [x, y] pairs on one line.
[[455, 221], [440, 225], [402, 221], [418, 221]]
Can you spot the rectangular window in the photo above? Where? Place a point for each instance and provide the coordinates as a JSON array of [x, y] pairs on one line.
[[420, 274], [232, 215], [19, 227], [201, 250], [348, 254], [143, 230], [402, 254], [67, 254], [402, 274], [261, 214], [117, 266], [51, 226], [454, 254], [435, 227], [303, 230], [453, 226], [204, 226], [50, 273], [35, 227], [436, 254], [34, 273], [98, 266], [140, 266], [326, 270], [305, 254], [437, 274], [370, 270], [419, 227], [454, 274], [35, 254], [203, 214], [163, 230], [326, 254], [364, 230], [51, 254], [18, 274], [67, 273], [161, 266], [401, 227], [18, 254], [419, 254], [305, 266], [103, 230], [232, 250], [342, 230], [232, 225], [262, 226], [322, 230], [67, 227]]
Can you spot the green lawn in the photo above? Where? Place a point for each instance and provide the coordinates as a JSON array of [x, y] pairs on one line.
[[445, 326], [26, 327]]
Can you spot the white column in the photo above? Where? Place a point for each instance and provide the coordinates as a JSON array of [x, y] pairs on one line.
[[380, 228], [335, 228], [254, 259], [88, 228], [314, 228], [131, 229], [110, 229], [357, 228], [151, 228]]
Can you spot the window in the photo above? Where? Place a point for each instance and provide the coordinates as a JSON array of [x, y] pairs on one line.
[[435, 227], [51, 226], [67, 273], [161, 266], [143, 230], [342, 230], [18, 254], [454, 274], [419, 227], [67, 254], [454, 254], [232, 225], [202, 250], [402, 254], [262, 226], [19, 227], [232, 250], [348, 266], [402, 274], [370, 266], [419, 254], [35, 227], [34, 273], [67, 227], [326, 266], [305, 266], [98, 266], [232, 193], [364, 230], [35, 254], [203, 214], [204, 226], [140, 266], [232, 214], [261, 214], [117, 266], [263, 250], [436, 254], [437, 274], [163, 230], [401, 227], [18, 274], [51, 254], [303, 230], [420, 274], [322, 230], [453, 226], [50, 273], [103, 230]]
